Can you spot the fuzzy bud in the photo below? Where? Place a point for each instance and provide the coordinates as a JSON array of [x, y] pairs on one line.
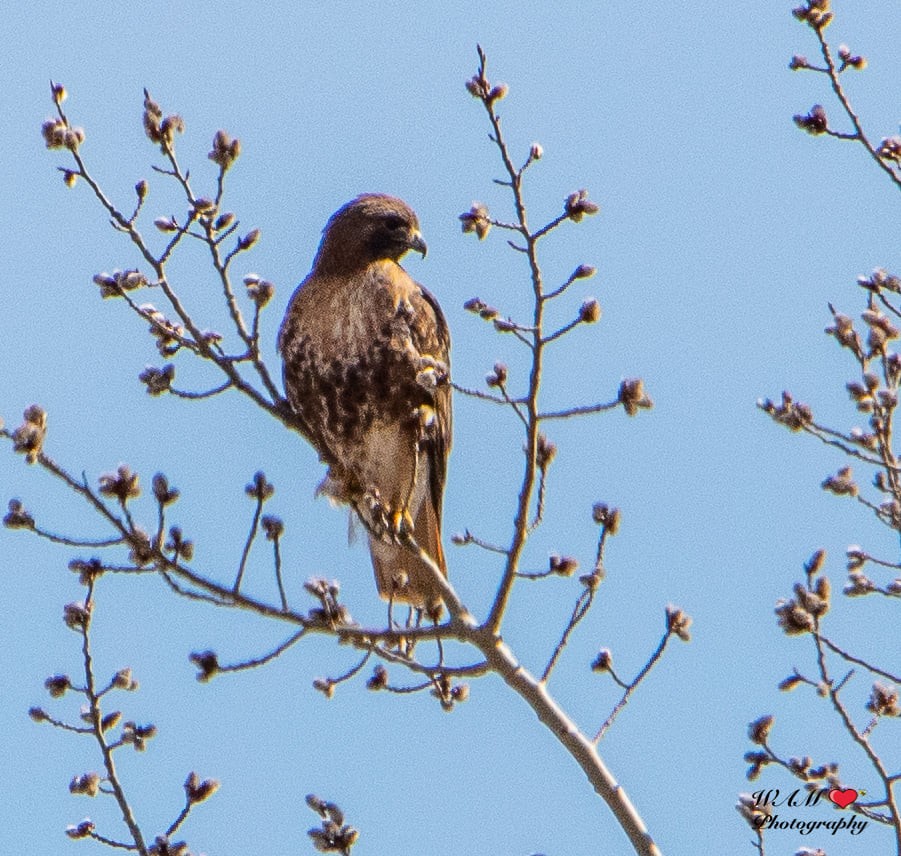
[[603, 662], [814, 122], [165, 224], [178, 545], [122, 485], [260, 291], [498, 377], [82, 830], [207, 663], [197, 791], [223, 221], [759, 730], [815, 563], [590, 311], [890, 149], [57, 685], [248, 240], [545, 452], [477, 220], [324, 686], [76, 616], [789, 683], [678, 623], [17, 517], [157, 381], [460, 692], [478, 87], [272, 526], [632, 396], [111, 720], [28, 438], [841, 484], [611, 521], [123, 680], [73, 138], [204, 206], [815, 13], [498, 93], [379, 679], [593, 580], [578, 205], [260, 488], [562, 566], [225, 150], [54, 133]]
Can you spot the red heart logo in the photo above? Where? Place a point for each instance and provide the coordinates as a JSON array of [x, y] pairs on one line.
[[843, 798]]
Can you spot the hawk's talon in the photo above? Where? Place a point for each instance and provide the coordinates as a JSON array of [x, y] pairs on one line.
[[401, 525], [377, 517]]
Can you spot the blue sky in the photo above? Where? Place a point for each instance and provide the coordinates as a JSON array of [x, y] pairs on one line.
[[723, 233]]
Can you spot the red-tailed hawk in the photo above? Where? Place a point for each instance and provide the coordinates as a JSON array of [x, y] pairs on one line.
[[366, 370]]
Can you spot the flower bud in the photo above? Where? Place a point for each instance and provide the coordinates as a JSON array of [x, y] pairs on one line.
[[603, 662], [590, 311], [498, 93], [249, 240], [165, 224]]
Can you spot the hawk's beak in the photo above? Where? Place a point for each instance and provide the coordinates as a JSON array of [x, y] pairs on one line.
[[417, 244]]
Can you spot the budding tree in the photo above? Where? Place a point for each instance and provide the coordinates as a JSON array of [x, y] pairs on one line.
[[440, 657], [839, 680]]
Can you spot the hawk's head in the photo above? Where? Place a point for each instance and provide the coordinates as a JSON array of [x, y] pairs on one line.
[[370, 228]]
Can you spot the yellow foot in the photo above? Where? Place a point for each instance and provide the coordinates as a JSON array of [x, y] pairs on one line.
[[401, 524]]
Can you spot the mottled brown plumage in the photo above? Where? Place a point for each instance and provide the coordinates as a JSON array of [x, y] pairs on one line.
[[366, 362]]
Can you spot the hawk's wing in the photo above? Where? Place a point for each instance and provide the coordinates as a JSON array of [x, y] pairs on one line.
[[436, 343]]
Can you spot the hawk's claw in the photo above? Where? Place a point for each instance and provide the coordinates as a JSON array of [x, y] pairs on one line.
[[401, 525]]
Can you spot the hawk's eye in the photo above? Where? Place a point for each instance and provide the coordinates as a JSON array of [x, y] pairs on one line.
[[393, 222]]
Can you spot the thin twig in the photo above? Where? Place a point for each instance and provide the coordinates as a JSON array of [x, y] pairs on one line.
[[109, 842], [468, 538], [658, 652], [182, 817], [97, 726], [580, 610], [484, 396], [266, 658], [839, 91], [76, 542], [251, 535], [354, 670], [277, 553], [582, 410], [209, 393], [860, 739], [852, 659]]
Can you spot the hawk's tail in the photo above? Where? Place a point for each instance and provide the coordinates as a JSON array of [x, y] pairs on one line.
[[394, 563]]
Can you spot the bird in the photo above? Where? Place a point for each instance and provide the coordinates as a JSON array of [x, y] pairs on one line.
[[366, 371]]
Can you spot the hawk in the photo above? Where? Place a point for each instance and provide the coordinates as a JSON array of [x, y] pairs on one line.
[[366, 354]]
